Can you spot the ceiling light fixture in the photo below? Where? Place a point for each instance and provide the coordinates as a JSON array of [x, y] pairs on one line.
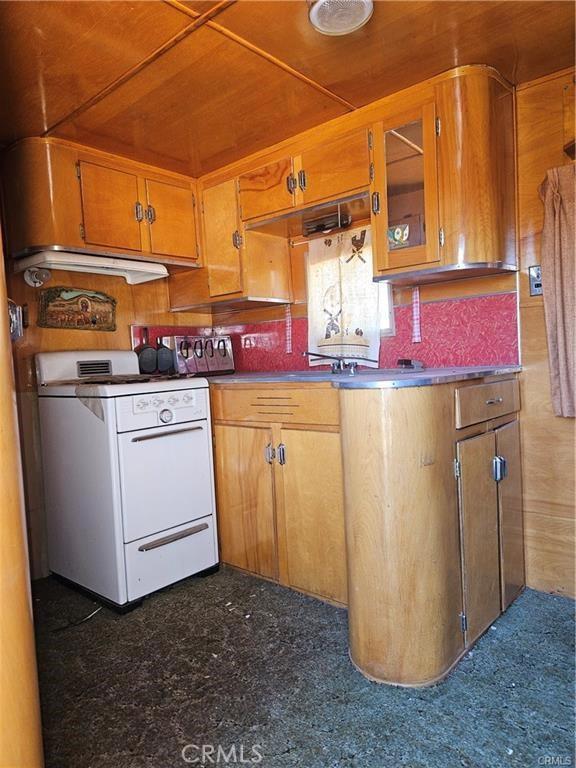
[[339, 17]]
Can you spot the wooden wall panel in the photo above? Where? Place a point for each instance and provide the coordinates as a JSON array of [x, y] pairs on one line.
[[20, 730], [547, 441]]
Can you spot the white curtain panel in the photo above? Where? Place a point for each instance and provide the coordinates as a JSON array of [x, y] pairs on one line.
[[343, 311]]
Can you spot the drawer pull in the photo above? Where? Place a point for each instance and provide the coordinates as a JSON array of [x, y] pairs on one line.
[[174, 537], [494, 400], [269, 453]]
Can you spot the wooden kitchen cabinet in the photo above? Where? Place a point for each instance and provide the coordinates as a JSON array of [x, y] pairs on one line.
[[334, 168], [222, 239], [479, 533], [171, 218], [268, 189], [311, 531], [405, 191], [61, 194], [443, 192], [433, 517], [112, 213], [279, 487], [245, 499]]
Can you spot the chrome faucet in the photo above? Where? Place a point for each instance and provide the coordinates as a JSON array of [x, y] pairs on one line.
[[340, 364]]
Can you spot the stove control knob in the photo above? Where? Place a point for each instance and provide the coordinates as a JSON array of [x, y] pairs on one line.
[[157, 402], [172, 400], [166, 416], [188, 398], [142, 404]]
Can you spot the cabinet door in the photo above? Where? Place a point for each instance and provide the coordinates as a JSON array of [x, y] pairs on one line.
[[510, 510], [244, 499], [405, 192], [171, 217], [111, 210], [335, 168], [312, 539], [221, 245], [266, 190], [479, 533]]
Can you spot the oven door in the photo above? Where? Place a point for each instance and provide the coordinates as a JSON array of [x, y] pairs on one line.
[[165, 477]]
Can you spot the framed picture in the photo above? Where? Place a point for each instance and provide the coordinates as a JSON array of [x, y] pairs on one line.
[[76, 308]]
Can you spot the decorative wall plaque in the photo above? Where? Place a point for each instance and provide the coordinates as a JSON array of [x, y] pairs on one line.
[[77, 308]]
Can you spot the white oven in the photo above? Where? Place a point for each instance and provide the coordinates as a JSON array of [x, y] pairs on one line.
[[128, 474]]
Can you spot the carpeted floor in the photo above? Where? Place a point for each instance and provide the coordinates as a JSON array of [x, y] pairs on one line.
[[231, 660]]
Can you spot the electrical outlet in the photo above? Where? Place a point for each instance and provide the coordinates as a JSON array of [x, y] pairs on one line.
[[535, 277]]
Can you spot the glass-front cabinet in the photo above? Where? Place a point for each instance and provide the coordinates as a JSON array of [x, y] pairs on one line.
[[404, 191]]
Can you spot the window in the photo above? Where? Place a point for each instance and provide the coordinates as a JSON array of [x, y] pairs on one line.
[[347, 311], [387, 326]]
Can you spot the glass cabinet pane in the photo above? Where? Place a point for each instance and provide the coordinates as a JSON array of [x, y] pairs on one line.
[[405, 186]]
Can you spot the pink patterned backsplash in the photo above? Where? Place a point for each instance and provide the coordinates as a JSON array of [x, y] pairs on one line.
[[481, 330]]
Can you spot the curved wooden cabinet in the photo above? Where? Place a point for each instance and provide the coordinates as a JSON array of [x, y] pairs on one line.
[[434, 536], [61, 194]]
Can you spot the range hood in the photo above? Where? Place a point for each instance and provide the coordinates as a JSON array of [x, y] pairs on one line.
[[133, 272]]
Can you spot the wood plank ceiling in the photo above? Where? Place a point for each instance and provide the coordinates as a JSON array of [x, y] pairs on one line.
[[193, 85]]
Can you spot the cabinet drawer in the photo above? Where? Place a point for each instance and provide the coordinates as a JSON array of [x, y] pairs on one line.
[[165, 558], [486, 401], [286, 406]]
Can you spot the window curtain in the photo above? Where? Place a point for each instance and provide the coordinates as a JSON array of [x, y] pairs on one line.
[[343, 311], [558, 282]]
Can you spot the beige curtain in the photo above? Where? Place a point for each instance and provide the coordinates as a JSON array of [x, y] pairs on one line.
[[558, 282]]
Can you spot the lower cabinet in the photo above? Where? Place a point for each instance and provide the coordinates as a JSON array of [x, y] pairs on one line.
[[245, 499], [490, 501], [280, 505]]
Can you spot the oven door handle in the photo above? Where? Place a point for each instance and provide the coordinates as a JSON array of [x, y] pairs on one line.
[[173, 537], [143, 438]]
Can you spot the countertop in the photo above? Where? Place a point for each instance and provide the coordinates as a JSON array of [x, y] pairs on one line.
[[372, 378]]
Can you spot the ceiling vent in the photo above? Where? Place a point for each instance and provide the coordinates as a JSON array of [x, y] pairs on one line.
[[340, 17]]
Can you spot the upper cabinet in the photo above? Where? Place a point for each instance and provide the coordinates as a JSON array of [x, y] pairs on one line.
[[60, 194], [443, 189], [405, 190], [335, 168], [327, 169], [222, 239], [267, 189]]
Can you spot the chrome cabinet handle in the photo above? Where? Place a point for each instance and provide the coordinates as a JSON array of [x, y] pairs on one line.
[[375, 202], [302, 180], [281, 454], [138, 211], [494, 400], [173, 537], [151, 214], [291, 183], [499, 468], [144, 438], [237, 239], [269, 453]]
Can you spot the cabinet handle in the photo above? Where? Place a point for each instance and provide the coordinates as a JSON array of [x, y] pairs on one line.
[[237, 239], [151, 214], [291, 183], [302, 181], [281, 454], [138, 211], [269, 453], [494, 400], [375, 202], [499, 468]]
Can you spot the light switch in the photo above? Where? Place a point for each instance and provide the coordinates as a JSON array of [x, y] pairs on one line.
[[535, 276]]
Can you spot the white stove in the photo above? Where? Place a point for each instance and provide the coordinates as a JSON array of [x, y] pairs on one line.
[[128, 473]]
